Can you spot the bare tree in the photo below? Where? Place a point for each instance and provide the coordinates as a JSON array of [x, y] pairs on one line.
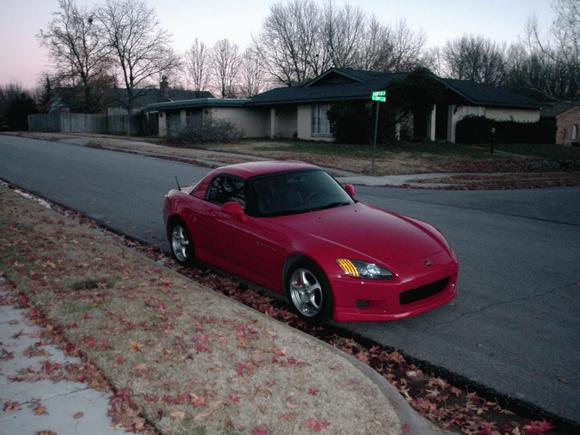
[[558, 52], [44, 92], [375, 46], [299, 40], [393, 48], [342, 34], [139, 46], [75, 46], [289, 45], [198, 65], [407, 47], [474, 58], [226, 62], [251, 79]]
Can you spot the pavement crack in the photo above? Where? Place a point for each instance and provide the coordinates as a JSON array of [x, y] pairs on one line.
[[495, 304], [56, 396]]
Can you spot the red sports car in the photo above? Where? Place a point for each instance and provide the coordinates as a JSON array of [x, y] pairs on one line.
[[293, 228]]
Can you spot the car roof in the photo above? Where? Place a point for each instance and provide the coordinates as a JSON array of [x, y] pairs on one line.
[[251, 169]]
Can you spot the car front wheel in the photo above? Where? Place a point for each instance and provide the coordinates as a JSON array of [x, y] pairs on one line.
[[181, 244], [309, 293]]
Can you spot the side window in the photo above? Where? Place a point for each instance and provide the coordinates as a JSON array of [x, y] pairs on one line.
[[225, 188]]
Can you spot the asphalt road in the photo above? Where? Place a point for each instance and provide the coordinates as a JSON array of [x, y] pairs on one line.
[[515, 325]]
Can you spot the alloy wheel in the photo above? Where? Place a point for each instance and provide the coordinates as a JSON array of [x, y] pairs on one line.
[[306, 292]]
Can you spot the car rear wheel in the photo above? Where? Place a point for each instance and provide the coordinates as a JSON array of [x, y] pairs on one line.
[[309, 293], [181, 244]]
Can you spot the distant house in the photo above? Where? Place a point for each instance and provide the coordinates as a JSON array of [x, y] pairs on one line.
[[301, 111], [567, 116], [68, 99]]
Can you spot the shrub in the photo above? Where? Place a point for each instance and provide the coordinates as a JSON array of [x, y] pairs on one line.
[[209, 131], [16, 115], [354, 121], [477, 129]]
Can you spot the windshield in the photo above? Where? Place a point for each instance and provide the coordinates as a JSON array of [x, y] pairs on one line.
[[297, 192]]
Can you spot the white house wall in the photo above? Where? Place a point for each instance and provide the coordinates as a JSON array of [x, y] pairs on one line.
[[304, 124], [253, 122], [286, 119], [162, 124]]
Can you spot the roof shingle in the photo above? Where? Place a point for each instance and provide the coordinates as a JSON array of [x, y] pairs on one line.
[[365, 82]]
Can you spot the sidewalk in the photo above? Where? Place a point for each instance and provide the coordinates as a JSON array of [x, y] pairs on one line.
[[186, 359], [31, 406]]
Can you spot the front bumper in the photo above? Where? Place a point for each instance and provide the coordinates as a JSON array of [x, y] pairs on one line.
[[382, 299]]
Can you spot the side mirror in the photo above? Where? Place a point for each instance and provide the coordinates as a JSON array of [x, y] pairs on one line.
[[236, 209], [350, 190]]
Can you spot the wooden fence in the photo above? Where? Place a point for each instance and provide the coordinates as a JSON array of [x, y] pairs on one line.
[[63, 122]]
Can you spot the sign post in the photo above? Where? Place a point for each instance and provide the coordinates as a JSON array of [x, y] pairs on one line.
[[379, 97]]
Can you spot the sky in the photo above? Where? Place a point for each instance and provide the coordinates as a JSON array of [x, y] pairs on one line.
[[22, 60]]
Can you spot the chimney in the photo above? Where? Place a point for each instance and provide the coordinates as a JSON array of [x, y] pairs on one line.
[[164, 87]]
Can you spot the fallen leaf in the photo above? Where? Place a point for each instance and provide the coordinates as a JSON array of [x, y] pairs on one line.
[[233, 398], [38, 409], [135, 346], [318, 425], [291, 402], [261, 430], [179, 415], [196, 400], [211, 408], [78, 415], [538, 427], [5, 355], [10, 406]]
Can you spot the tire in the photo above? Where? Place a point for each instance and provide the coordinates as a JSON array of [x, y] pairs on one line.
[[181, 244], [308, 292]]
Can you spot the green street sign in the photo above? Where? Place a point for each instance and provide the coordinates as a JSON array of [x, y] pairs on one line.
[[379, 96]]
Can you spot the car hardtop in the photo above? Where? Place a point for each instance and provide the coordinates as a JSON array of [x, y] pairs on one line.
[[253, 169]]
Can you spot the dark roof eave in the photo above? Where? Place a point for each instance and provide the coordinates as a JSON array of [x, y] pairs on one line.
[[307, 100], [330, 71], [192, 104], [500, 105], [484, 103]]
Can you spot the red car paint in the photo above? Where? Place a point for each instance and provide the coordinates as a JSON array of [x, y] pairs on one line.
[[257, 248]]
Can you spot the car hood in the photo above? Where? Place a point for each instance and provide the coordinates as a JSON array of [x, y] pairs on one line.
[[383, 236]]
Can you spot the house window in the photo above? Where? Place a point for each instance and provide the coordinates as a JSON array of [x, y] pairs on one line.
[[574, 132], [320, 122]]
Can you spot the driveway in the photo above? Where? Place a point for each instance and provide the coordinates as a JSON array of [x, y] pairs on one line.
[[515, 326]]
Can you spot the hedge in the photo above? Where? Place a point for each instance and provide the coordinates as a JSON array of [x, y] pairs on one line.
[[477, 129]]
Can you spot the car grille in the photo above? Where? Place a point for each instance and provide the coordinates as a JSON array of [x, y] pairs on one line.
[[423, 292]]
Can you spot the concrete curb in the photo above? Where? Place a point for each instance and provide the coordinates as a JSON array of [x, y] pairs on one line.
[[417, 424]]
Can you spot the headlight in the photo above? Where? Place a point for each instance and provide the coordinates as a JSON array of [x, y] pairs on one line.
[[362, 269]]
